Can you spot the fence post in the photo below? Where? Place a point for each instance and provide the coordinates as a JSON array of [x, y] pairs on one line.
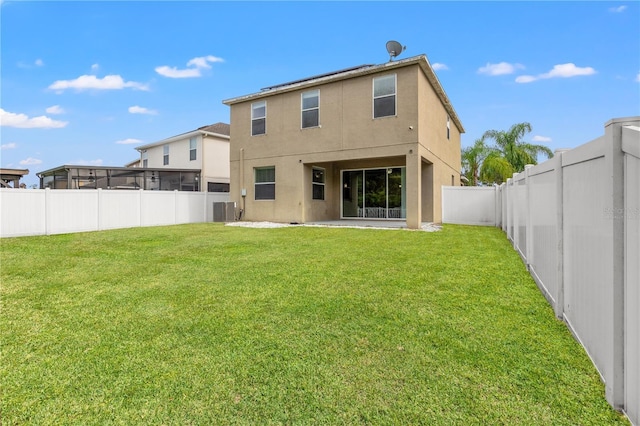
[[614, 160], [503, 205], [559, 308], [515, 221], [528, 225], [508, 210]]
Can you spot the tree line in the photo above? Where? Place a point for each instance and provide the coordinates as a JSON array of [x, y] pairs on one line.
[[488, 164]]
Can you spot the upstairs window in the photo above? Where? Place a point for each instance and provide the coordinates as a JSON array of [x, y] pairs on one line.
[[193, 149], [258, 118], [265, 183], [310, 108], [448, 126], [145, 159], [384, 96], [165, 155], [318, 183]]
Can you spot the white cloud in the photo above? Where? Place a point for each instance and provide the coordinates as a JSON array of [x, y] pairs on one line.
[[128, 141], [10, 119], [438, 66], [88, 82], [30, 162], [55, 109], [95, 67], [538, 138], [618, 9], [525, 79], [499, 69], [36, 63], [558, 71], [141, 110], [194, 67], [203, 61], [11, 145], [638, 77], [176, 73]]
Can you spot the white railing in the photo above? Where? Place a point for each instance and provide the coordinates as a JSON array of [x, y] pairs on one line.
[[381, 213], [575, 221], [57, 211]]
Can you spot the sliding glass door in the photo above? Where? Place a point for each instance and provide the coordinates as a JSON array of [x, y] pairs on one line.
[[374, 193]]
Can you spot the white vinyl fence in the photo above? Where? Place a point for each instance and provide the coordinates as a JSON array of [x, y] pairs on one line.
[[57, 211], [575, 221]]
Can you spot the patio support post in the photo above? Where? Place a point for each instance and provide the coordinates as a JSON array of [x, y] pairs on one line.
[[414, 189]]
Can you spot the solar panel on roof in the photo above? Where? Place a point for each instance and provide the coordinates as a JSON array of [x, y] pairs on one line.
[[317, 77]]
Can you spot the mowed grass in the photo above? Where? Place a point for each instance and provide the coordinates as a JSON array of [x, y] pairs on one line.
[[206, 324]]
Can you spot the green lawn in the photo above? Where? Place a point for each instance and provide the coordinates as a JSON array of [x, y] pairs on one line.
[[206, 324]]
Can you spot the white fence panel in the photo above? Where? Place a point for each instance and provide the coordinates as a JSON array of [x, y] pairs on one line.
[[469, 205], [190, 207], [588, 247], [119, 209], [631, 147], [45, 212], [158, 208], [520, 212], [543, 261], [22, 213], [71, 210]]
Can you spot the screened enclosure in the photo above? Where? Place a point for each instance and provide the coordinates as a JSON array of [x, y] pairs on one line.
[[86, 177]]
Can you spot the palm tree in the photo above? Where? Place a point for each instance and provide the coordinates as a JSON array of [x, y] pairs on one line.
[[510, 154], [472, 158]]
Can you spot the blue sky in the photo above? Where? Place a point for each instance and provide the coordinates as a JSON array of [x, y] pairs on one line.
[[87, 82]]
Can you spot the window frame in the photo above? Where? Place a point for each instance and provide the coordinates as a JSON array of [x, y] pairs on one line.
[[394, 95], [448, 126], [316, 108], [270, 183], [165, 155], [193, 148], [254, 106], [315, 184]]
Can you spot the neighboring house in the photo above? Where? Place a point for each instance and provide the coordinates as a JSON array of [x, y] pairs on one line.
[[135, 163], [205, 149], [10, 178], [369, 142]]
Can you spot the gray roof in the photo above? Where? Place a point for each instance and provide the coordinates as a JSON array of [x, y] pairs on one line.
[[219, 128], [353, 72]]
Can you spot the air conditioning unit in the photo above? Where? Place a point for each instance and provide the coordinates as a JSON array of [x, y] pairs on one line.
[[224, 211]]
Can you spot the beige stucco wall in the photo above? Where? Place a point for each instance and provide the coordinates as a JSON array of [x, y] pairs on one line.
[[214, 158], [348, 138]]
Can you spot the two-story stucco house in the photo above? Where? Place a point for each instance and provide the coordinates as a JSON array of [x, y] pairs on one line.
[[205, 150], [369, 142]]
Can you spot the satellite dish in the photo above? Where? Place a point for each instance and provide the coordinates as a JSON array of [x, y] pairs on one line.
[[394, 48]]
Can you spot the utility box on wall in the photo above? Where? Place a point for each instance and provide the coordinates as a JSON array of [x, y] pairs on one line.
[[224, 211]]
